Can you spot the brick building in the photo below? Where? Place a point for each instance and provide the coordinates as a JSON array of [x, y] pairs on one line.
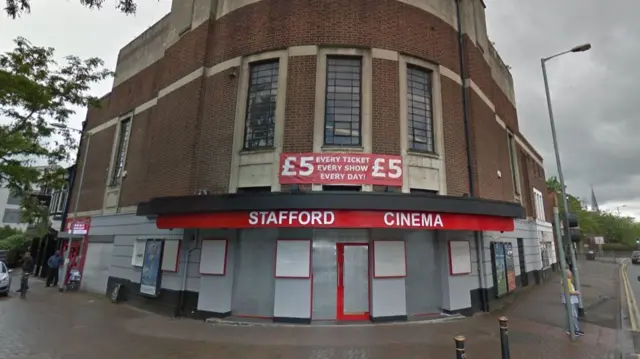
[[303, 160]]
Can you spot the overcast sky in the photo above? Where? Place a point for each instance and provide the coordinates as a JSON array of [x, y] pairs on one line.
[[593, 93]]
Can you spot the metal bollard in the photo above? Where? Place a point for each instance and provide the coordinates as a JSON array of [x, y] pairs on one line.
[[460, 351], [504, 338]]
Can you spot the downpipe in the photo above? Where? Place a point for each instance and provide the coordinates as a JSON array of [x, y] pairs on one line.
[[477, 236], [180, 309]]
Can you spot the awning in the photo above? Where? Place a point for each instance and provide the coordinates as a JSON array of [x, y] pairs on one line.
[[332, 210]]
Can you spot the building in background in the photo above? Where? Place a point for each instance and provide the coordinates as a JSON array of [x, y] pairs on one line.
[[10, 209], [332, 134]]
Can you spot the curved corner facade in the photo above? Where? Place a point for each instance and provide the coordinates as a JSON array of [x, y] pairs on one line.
[[304, 161]]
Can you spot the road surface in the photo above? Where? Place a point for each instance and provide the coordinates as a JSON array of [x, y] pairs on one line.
[[53, 325]]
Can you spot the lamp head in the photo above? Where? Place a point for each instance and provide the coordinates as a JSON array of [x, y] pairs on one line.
[[581, 48]]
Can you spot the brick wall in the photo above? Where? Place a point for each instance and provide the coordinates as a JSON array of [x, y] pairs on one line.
[[184, 142], [454, 138], [216, 133], [491, 152], [300, 102], [96, 171]]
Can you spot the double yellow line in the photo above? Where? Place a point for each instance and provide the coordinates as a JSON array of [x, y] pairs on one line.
[[632, 306]]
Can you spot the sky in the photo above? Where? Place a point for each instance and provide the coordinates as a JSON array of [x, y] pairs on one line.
[[593, 93]]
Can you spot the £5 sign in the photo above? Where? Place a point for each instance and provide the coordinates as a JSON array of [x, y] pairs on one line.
[[340, 169]]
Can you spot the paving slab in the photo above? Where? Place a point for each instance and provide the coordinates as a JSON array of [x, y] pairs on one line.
[[53, 325]]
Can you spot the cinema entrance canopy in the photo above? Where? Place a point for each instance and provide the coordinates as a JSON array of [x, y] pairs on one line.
[[338, 256], [331, 210]]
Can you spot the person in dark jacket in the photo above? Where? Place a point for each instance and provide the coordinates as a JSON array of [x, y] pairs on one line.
[[27, 269], [53, 263]]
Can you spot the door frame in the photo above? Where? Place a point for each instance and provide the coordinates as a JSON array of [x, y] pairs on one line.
[[340, 315]]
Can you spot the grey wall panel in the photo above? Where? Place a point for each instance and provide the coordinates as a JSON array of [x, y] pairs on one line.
[[456, 289], [96, 269], [388, 297], [254, 282], [216, 291], [125, 229], [423, 273], [129, 224], [104, 238], [292, 298], [324, 265]]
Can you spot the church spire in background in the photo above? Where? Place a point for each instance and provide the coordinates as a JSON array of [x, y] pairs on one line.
[[594, 201]]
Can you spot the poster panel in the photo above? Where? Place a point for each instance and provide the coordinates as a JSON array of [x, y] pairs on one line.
[[151, 275]]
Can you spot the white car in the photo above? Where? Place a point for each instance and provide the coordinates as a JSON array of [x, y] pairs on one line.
[[5, 279]]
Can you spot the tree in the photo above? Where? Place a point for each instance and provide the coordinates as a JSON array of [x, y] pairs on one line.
[[615, 229], [37, 97], [15, 8]]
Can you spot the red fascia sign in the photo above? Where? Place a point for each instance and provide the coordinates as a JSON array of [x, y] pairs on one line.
[[337, 219], [340, 169], [79, 226]]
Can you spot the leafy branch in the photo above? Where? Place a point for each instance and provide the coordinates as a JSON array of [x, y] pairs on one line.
[[15, 8], [37, 97]]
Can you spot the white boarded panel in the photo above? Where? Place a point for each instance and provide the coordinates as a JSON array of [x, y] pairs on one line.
[[170, 255], [459, 257], [389, 259], [213, 257], [293, 258], [137, 257]]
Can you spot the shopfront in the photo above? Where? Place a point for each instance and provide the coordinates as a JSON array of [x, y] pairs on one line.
[[327, 256]]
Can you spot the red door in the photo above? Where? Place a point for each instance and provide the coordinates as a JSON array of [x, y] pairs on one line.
[[353, 281]]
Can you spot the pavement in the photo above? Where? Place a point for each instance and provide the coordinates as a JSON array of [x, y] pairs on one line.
[[52, 325], [631, 315]]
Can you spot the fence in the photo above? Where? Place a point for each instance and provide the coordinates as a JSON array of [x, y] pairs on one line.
[[461, 352]]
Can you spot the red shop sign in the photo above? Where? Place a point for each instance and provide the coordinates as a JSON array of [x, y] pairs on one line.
[[79, 226], [337, 219], [340, 168]]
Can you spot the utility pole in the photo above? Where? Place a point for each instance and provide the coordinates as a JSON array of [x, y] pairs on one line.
[[563, 269]]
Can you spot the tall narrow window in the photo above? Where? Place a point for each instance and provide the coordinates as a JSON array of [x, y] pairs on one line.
[[419, 110], [513, 163], [121, 152], [260, 120], [342, 118]]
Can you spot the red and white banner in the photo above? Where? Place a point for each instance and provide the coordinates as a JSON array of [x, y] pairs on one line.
[[340, 169], [79, 226], [337, 219]]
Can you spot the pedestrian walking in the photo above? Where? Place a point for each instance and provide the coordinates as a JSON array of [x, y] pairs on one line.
[[53, 263], [27, 269], [574, 300]]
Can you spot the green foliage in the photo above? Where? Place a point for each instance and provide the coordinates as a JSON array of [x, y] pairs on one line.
[[617, 247], [16, 242], [621, 231], [7, 231], [15, 8], [37, 97]]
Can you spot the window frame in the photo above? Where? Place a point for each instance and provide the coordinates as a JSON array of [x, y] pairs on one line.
[[11, 198], [513, 163], [14, 211], [121, 150], [431, 113], [360, 143], [251, 65], [538, 205]]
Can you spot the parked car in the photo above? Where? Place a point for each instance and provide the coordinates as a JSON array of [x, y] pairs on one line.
[[5, 279], [635, 257]]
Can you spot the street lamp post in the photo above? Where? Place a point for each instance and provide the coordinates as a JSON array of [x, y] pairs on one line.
[[618, 209], [66, 262], [580, 48]]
